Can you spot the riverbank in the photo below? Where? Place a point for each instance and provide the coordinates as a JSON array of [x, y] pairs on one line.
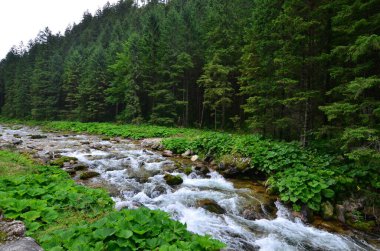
[[230, 210], [62, 215], [313, 183]]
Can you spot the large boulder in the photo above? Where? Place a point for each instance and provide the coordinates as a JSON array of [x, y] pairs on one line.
[[211, 206], [12, 237], [23, 244], [173, 180]]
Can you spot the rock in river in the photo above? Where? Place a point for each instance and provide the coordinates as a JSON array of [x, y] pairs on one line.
[[88, 175], [210, 205], [173, 180], [167, 153]]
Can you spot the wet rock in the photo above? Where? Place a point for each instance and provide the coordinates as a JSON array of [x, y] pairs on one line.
[[17, 142], [372, 213], [24, 244], [69, 171], [187, 170], [327, 210], [353, 205], [157, 191], [230, 173], [194, 158], [79, 167], [97, 146], [211, 206], [147, 152], [306, 214], [330, 226], [340, 212], [208, 158], [115, 140], [12, 230], [154, 143], [254, 213], [16, 136], [62, 160], [173, 180], [38, 137], [202, 169], [88, 175], [221, 166], [188, 153], [85, 142], [167, 153]]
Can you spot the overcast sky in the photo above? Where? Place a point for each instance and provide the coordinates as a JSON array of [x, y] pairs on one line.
[[21, 20]]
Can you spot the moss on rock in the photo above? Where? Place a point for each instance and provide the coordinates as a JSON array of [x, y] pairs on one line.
[[88, 175], [61, 161], [173, 180]]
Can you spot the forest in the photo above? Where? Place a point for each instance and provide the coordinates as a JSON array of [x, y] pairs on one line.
[[290, 70], [233, 80]]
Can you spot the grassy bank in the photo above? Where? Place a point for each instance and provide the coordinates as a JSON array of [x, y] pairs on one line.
[[62, 215], [299, 176]]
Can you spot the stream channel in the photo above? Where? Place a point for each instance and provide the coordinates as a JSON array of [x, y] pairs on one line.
[[135, 177]]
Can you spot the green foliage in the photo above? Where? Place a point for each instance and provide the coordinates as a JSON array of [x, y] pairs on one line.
[[177, 145], [304, 186], [141, 229], [40, 198]]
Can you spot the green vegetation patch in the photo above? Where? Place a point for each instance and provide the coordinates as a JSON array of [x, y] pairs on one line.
[[62, 215], [141, 229]]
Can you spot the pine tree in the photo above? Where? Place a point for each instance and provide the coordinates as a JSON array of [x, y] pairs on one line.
[[354, 111], [91, 90], [72, 77], [125, 87], [218, 89]]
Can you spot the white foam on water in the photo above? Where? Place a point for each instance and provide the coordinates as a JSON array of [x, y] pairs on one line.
[[216, 181], [272, 243]]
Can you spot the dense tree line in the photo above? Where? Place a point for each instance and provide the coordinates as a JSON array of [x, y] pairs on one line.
[[292, 70]]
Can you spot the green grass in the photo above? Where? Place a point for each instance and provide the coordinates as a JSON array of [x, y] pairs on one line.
[[12, 164], [108, 129], [62, 215]]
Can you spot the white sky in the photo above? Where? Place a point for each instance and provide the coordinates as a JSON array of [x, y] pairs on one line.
[[21, 20]]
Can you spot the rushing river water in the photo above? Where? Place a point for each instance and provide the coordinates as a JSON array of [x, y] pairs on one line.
[[136, 177]]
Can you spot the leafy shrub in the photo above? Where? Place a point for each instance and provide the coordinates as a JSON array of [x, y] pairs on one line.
[[304, 186], [140, 229]]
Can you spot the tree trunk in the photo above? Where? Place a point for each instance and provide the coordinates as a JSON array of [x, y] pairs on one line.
[[303, 138], [215, 120]]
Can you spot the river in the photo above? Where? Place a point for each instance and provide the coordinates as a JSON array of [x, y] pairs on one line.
[[135, 177]]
